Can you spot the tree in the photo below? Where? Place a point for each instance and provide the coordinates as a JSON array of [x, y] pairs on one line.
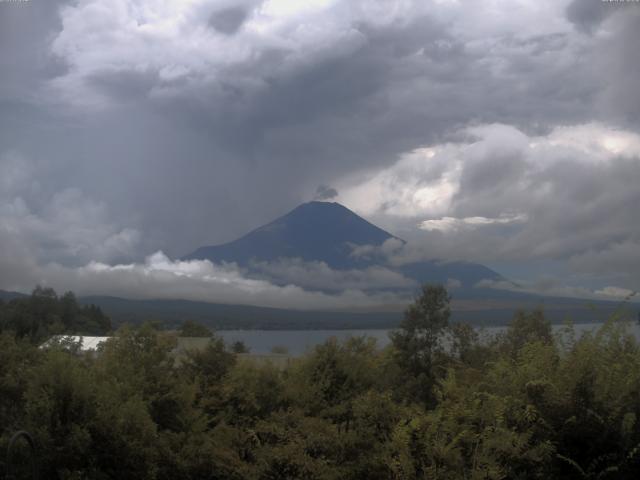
[[193, 329], [279, 350], [43, 314], [417, 342], [239, 347], [526, 327], [210, 364]]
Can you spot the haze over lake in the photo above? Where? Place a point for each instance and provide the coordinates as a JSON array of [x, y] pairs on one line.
[[298, 342]]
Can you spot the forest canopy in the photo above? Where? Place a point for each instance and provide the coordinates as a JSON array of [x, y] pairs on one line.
[[438, 403], [44, 313]]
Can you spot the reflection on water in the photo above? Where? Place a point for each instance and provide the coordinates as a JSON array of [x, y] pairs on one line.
[[297, 342]]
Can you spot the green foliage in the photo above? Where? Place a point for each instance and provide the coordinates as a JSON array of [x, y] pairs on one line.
[[526, 327], [279, 350], [43, 314], [239, 347], [523, 405], [418, 341], [193, 329]]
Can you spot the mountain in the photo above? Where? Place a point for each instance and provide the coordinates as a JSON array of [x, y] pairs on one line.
[[328, 232], [314, 231]]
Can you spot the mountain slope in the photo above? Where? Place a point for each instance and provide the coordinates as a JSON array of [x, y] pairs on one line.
[[463, 275], [314, 231]]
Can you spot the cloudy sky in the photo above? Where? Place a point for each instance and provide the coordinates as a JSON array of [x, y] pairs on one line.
[[505, 132]]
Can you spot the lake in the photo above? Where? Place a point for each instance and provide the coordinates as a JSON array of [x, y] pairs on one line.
[[298, 342]]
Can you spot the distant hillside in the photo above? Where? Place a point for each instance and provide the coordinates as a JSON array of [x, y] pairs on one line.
[[4, 295], [231, 317], [219, 316], [467, 273]]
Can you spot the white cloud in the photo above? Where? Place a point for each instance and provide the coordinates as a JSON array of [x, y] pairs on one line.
[[501, 194], [554, 288], [427, 181], [198, 280], [597, 141], [615, 292], [421, 182], [451, 224], [388, 248], [319, 276]]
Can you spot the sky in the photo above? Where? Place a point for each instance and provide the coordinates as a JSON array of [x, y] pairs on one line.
[[504, 132]]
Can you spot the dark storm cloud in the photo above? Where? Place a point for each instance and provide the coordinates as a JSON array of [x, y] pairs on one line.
[[125, 86], [589, 14], [615, 58], [25, 59], [618, 62], [228, 20], [197, 122]]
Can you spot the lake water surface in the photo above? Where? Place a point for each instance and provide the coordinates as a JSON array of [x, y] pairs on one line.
[[297, 342]]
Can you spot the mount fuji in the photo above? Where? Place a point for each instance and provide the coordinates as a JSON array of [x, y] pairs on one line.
[[332, 234]]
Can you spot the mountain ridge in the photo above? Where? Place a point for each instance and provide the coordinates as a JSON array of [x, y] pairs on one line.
[[231, 317]]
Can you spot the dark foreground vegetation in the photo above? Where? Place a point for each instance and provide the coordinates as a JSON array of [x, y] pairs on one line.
[[523, 405], [42, 314]]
